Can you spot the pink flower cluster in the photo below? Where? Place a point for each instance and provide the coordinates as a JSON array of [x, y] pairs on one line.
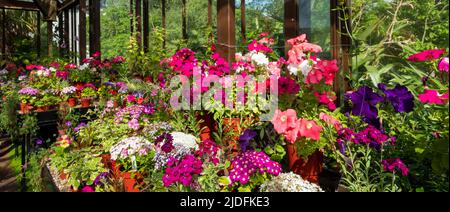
[[299, 47], [327, 98], [287, 124], [324, 70], [258, 46], [182, 62], [330, 120], [249, 163], [391, 164], [182, 171], [208, 150], [433, 97], [427, 55]]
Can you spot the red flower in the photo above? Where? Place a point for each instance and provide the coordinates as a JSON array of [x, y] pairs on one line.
[[327, 98], [427, 55], [140, 101]]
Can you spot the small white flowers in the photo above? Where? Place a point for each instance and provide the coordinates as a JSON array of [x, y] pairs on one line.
[[260, 59], [69, 90], [84, 66], [129, 147], [289, 182], [293, 69], [182, 139]]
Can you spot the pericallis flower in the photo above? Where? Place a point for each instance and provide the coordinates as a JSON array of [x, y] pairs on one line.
[[365, 102], [400, 97], [131, 147]]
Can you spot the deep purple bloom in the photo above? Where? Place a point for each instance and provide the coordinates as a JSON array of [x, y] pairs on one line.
[[391, 164], [167, 147], [246, 138], [401, 99], [100, 177], [78, 128], [39, 142], [365, 102]]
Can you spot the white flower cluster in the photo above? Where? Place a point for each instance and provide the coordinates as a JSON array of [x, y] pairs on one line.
[[182, 139], [289, 182], [260, 59], [305, 67], [131, 147], [69, 90]]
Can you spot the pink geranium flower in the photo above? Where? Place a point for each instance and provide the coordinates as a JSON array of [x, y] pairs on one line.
[[443, 65], [433, 97], [284, 121], [326, 98], [427, 55], [309, 129]]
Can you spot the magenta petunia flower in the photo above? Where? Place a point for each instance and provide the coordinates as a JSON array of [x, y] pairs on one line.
[[427, 55], [443, 65], [433, 97], [391, 164]]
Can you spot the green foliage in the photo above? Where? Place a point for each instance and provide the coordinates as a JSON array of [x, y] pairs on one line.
[[210, 180]]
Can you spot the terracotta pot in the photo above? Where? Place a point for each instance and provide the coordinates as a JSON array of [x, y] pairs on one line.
[[4, 98], [25, 108], [116, 104], [309, 169], [72, 102], [42, 109], [207, 126], [85, 103]]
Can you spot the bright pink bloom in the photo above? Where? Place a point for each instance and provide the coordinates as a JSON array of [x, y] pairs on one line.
[[285, 121], [391, 164], [131, 98], [327, 98], [298, 40], [443, 65], [70, 66], [309, 129], [427, 55], [433, 97], [97, 54], [258, 47], [324, 69], [87, 189], [292, 134]]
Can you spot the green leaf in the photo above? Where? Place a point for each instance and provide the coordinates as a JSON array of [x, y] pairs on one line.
[[419, 150]]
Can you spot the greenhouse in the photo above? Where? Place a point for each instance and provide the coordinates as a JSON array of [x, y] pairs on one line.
[[228, 96]]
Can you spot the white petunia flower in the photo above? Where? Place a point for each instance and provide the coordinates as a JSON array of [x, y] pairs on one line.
[[260, 59]]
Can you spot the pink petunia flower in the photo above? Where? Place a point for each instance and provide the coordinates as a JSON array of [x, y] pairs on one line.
[[443, 65], [284, 121], [433, 97], [331, 121], [309, 129], [427, 55]]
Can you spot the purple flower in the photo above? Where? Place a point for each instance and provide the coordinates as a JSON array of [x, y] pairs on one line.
[[400, 97], [39, 142], [78, 128], [68, 124], [100, 177], [391, 164], [29, 91], [246, 138], [364, 102], [167, 147]]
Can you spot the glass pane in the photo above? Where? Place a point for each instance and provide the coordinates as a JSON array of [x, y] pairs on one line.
[[115, 27], [262, 16], [314, 20]]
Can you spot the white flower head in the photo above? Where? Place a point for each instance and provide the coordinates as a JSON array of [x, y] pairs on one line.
[[305, 67], [182, 139], [84, 66], [293, 69], [260, 59]]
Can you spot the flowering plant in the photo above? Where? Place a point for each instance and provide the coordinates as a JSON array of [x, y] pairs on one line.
[[28, 95], [88, 93], [132, 152], [289, 182], [68, 92]]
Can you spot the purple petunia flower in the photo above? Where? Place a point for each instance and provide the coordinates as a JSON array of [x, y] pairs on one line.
[[78, 128], [246, 138], [401, 98], [100, 177], [364, 102], [391, 164]]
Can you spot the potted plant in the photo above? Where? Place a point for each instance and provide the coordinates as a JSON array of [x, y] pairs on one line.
[[87, 95], [128, 156], [69, 94], [27, 97]]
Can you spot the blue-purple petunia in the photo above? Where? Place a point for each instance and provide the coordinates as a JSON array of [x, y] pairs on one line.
[[365, 102], [400, 97], [246, 138]]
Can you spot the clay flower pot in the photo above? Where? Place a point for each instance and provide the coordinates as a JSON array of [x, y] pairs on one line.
[[42, 109], [24, 108], [309, 169], [85, 103], [207, 126], [72, 102]]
